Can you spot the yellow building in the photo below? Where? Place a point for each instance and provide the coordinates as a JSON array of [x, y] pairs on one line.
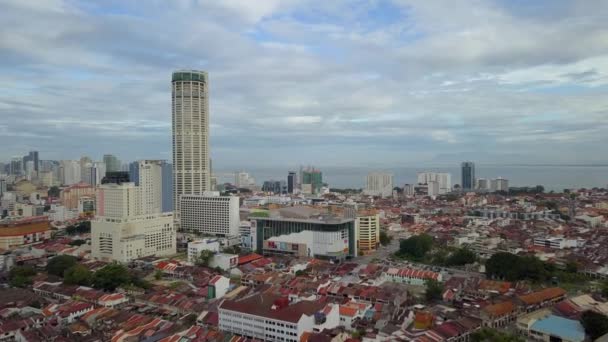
[[367, 228], [71, 195]]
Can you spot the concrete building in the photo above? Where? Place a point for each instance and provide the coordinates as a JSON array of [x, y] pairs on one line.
[[409, 190], [482, 184], [210, 215], [367, 228], [443, 180], [23, 231], [542, 325], [224, 261], [499, 184], [244, 180], [158, 181], [312, 180], [269, 317], [33, 157], [72, 194], [190, 127], [291, 182], [96, 171], [85, 163], [69, 171], [433, 189], [196, 247], [379, 184], [467, 176], [304, 231], [112, 163], [121, 232], [411, 276]]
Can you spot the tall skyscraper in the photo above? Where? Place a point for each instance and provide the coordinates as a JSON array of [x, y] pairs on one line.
[[291, 182], [33, 157], [379, 184], [468, 175], [312, 180], [69, 171], [112, 163], [190, 122]]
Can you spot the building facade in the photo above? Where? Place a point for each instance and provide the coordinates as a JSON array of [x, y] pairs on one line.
[[190, 127], [291, 182], [467, 170], [24, 231], [368, 232], [210, 215], [112, 163], [379, 184], [72, 194]]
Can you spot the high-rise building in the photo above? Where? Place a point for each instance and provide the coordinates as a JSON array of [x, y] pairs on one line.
[[379, 184], [468, 176], [112, 163], [277, 187], [96, 170], [499, 184], [444, 180], [150, 186], [291, 182], [482, 184], [243, 180], [33, 157], [190, 122], [69, 171], [409, 190], [167, 187], [312, 180], [121, 231], [209, 214], [367, 228], [85, 172], [16, 167]]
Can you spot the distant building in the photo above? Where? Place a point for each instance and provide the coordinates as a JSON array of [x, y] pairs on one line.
[[443, 180], [33, 157], [243, 180], [409, 190], [210, 215], [112, 163], [69, 171], [499, 184], [379, 184], [161, 182], [196, 247], [277, 187], [482, 184], [291, 182], [468, 176], [312, 180], [71, 195]]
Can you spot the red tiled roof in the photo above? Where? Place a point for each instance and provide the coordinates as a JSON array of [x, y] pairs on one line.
[[499, 309], [249, 258], [542, 295]]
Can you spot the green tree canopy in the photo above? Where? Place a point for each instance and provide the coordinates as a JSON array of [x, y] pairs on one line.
[[434, 290], [460, 257], [511, 267], [416, 246], [78, 275], [385, 239], [204, 258], [21, 276], [595, 324], [111, 276], [493, 335], [59, 264], [54, 192]]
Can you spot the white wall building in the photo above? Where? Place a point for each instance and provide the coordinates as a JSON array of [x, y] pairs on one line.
[[196, 247], [121, 232], [271, 318], [224, 261], [443, 180], [379, 184], [499, 184], [210, 215], [69, 171], [150, 186], [244, 180]]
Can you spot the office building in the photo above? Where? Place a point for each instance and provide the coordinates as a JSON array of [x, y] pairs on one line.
[[270, 317], [379, 184], [499, 184], [367, 227], [33, 157], [291, 182], [69, 172], [433, 189], [3, 187], [409, 190], [85, 164], [150, 186], [190, 127], [209, 214], [120, 231], [244, 180], [304, 231], [467, 176], [482, 184], [444, 181], [71, 195], [164, 181], [16, 167], [167, 186], [112, 163], [96, 171], [276, 187], [312, 180]]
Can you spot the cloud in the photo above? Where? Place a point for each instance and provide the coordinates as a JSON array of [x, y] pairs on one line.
[[338, 77]]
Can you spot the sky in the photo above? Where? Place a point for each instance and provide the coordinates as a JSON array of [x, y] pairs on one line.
[[336, 83]]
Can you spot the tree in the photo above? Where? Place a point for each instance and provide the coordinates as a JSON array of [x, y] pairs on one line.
[[493, 335], [21, 276], [59, 264], [204, 258], [416, 246], [461, 257], [77, 275], [54, 192], [77, 242], [111, 276], [571, 266], [158, 275], [385, 239], [595, 324], [232, 250], [434, 290]]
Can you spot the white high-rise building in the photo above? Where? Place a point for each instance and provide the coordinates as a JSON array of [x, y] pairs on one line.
[[379, 184], [150, 186], [210, 215], [69, 171], [482, 184], [190, 122], [121, 232], [443, 179], [243, 180], [98, 171], [499, 184]]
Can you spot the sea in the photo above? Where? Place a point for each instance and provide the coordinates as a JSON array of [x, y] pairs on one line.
[[552, 177]]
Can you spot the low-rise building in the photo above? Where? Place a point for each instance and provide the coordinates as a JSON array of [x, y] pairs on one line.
[[24, 231], [411, 276]]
